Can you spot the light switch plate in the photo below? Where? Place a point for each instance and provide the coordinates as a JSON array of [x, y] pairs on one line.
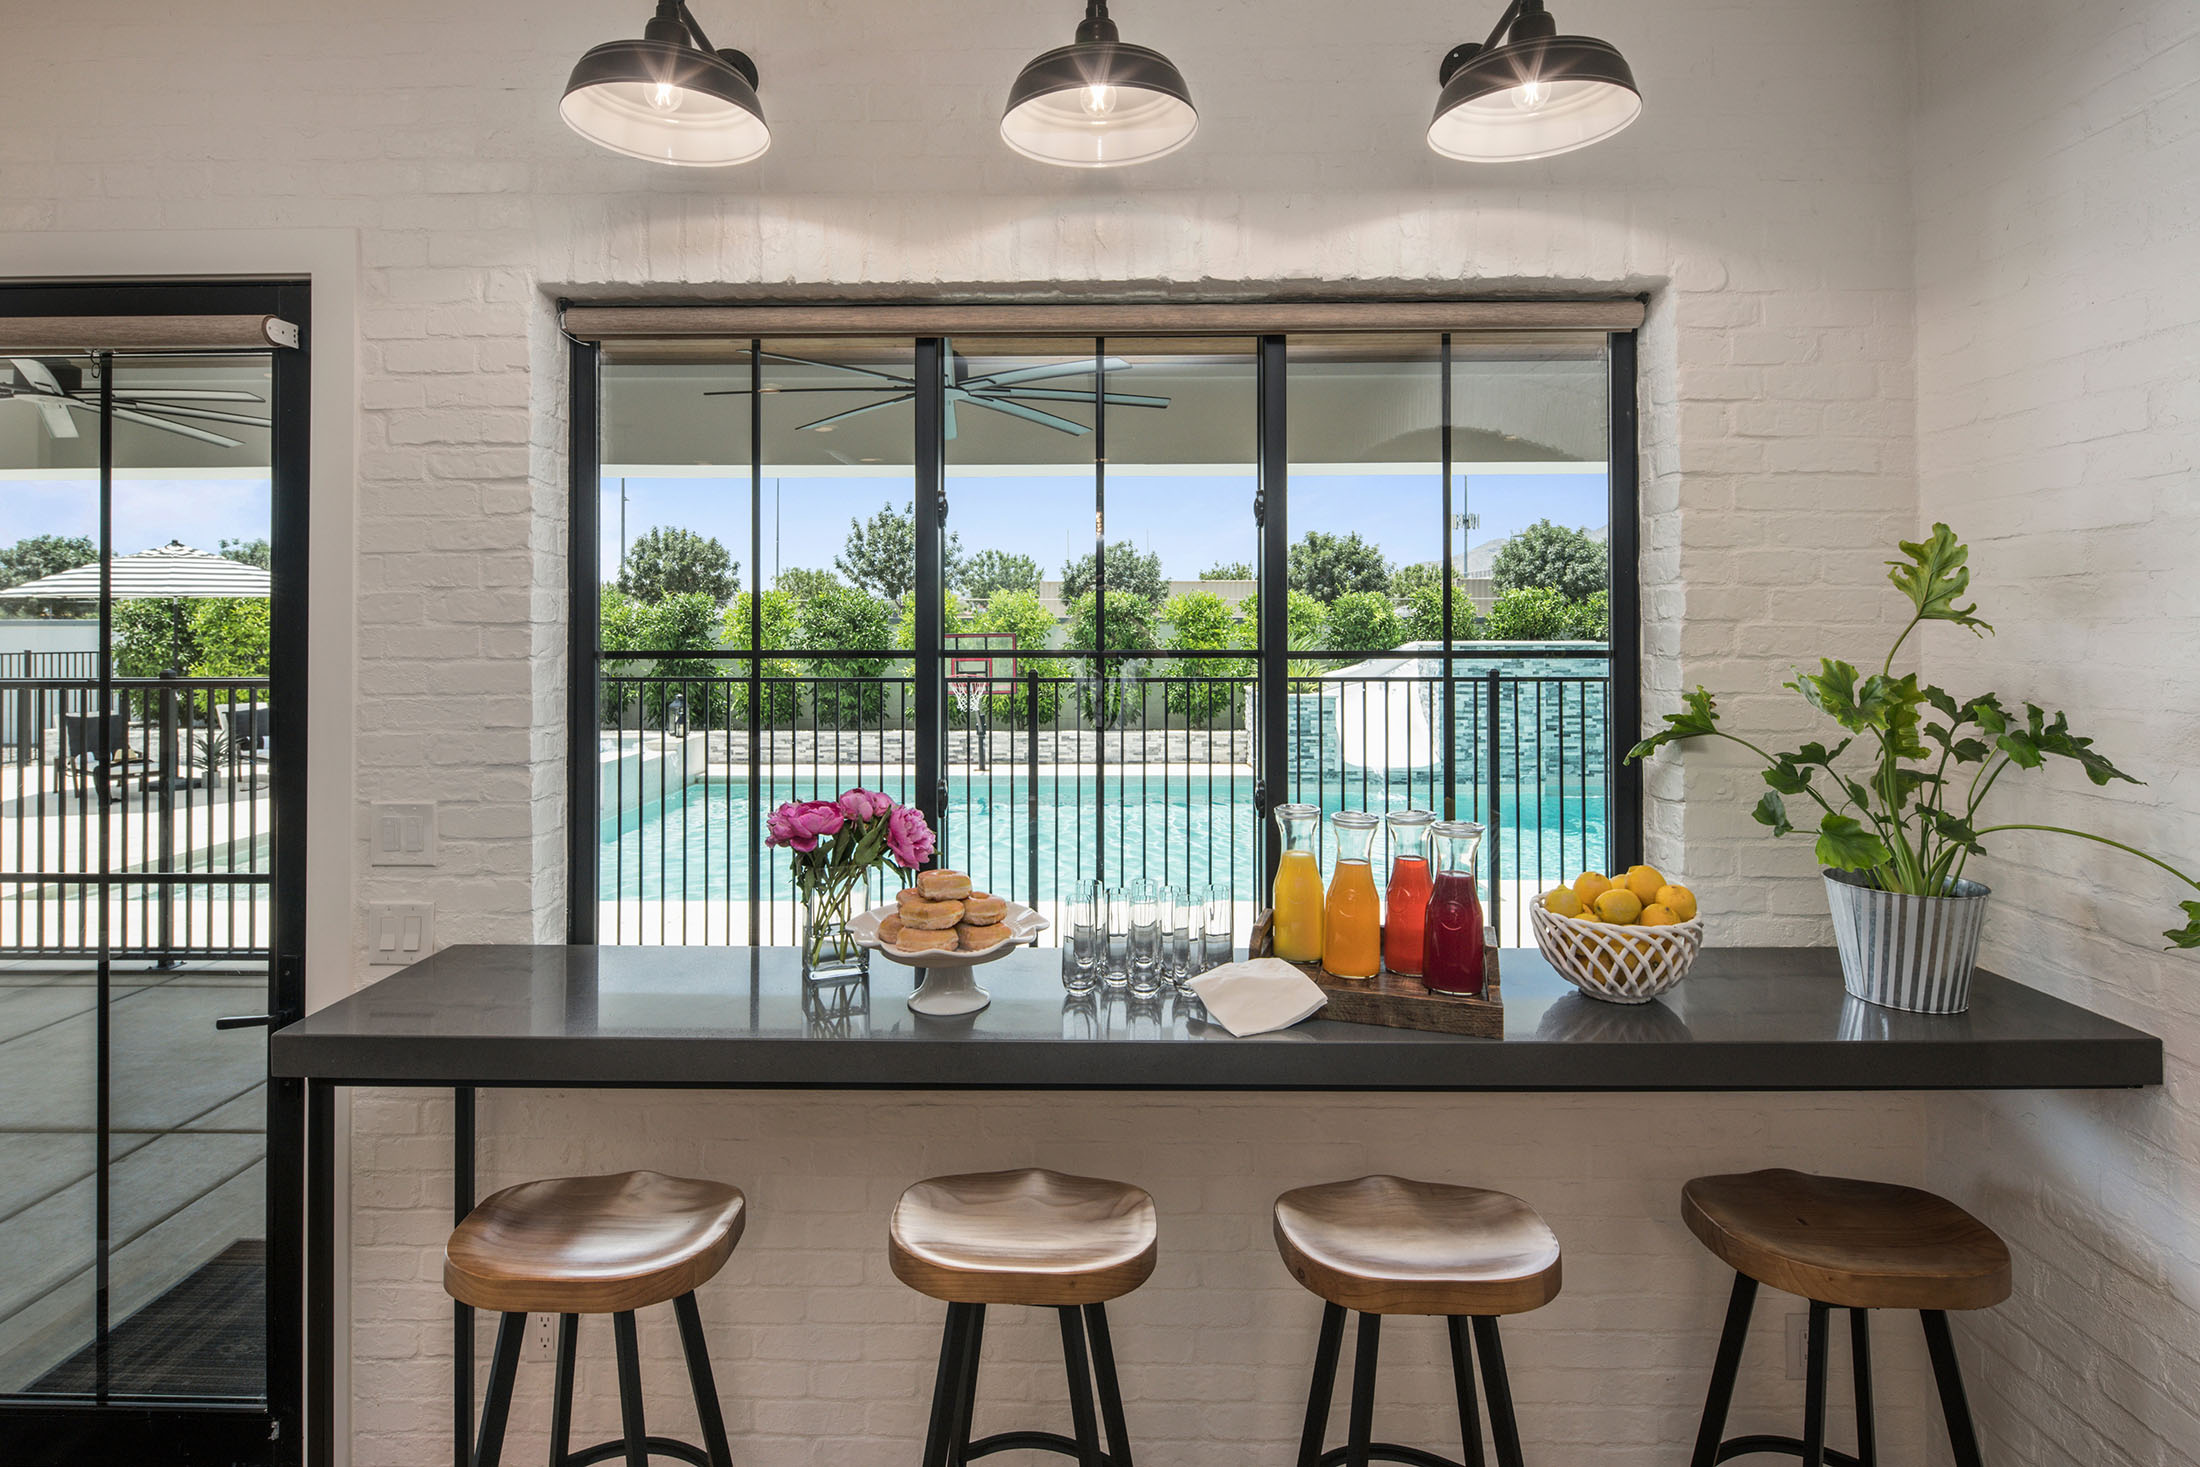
[[402, 835], [400, 932]]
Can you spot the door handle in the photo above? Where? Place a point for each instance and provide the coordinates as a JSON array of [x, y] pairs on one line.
[[245, 1021]]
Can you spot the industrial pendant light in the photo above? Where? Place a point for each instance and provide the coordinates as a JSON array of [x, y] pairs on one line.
[[1099, 103], [1537, 95], [668, 97]]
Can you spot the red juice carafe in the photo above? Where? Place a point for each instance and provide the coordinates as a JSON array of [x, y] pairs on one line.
[[1453, 944], [1406, 902]]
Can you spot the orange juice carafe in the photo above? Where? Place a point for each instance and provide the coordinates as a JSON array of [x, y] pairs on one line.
[[1406, 903], [1296, 932], [1352, 922]]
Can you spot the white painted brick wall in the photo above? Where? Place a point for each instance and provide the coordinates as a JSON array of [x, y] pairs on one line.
[[1764, 202], [2058, 185]]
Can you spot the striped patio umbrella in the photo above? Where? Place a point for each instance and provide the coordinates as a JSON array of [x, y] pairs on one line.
[[174, 569]]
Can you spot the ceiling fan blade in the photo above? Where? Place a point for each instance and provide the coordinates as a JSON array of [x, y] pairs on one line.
[[58, 421], [1083, 367], [777, 391], [142, 395], [947, 420], [207, 414], [132, 415], [869, 407], [1064, 394], [773, 356], [37, 374], [1030, 415]]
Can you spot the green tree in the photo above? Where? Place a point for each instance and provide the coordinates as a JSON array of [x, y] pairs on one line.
[[1302, 616], [841, 618], [1201, 621], [1590, 619], [1425, 612], [778, 610], [1132, 573], [1024, 616], [1362, 621], [802, 583], [688, 621], [880, 555], [1530, 614], [670, 561], [249, 552], [1130, 628], [952, 618], [212, 637], [990, 572], [1227, 570], [1547, 554], [43, 555], [1327, 566]]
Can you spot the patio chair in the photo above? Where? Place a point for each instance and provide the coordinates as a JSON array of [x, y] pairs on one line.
[[246, 726], [83, 761]]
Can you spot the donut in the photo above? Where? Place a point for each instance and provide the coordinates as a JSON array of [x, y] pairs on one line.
[[943, 886], [918, 940], [982, 908], [930, 916], [976, 939], [907, 895], [889, 928]]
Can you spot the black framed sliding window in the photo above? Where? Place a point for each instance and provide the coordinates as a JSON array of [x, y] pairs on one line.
[[1095, 602]]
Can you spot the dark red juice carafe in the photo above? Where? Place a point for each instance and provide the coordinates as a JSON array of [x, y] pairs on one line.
[[1453, 942]]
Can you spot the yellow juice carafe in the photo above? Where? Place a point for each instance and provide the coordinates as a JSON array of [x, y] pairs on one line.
[[1296, 932]]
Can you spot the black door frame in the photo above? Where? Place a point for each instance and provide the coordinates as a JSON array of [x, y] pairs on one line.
[[178, 1430]]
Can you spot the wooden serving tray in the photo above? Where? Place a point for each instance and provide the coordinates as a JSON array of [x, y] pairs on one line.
[[1395, 1001]]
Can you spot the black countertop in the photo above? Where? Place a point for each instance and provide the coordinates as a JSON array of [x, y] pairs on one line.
[[1744, 1019]]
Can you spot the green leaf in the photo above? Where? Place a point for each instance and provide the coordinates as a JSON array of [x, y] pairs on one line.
[[1845, 844], [2056, 738], [1770, 811], [1892, 703], [1954, 829], [1945, 703], [1832, 691], [1986, 711], [2189, 934], [1933, 577], [1907, 782], [1816, 753], [1788, 777], [1698, 717]]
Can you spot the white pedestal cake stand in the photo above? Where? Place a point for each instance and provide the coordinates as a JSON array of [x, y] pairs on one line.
[[949, 989]]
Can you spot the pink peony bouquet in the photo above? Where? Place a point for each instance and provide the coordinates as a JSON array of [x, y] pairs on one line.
[[834, 845]]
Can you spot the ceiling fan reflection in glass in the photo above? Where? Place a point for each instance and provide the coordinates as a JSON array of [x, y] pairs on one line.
[[59, 389], [1011, 391]]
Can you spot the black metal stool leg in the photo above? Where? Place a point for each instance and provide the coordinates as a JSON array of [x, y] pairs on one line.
[[630, 1389], [700, 1380], [966, 1399], [1111, 1393], [1362, 1430], [1324, 1386], [1954, 1408], [1860, 1355], [561, 1392], [1462, 1386], [946, 1387], [1080, 1387], [1497, 1385], [1729, 1362], [1814, 1389], [496, 1406]]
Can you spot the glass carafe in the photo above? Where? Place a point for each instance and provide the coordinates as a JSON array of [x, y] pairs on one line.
[[1352, 921], [1405, 905], [1296, 930], [1452, 942]]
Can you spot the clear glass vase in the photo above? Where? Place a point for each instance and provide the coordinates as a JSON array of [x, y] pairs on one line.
[[830, 953]]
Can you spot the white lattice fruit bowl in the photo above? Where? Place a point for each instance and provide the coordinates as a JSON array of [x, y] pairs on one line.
[[1630, 964]]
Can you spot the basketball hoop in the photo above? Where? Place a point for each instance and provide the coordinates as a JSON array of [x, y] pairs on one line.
[[980, 666]]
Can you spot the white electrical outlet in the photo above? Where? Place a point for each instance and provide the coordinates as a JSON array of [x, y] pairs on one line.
[[542, 1337], [400, 932], [403, 835], [1798, 1345]]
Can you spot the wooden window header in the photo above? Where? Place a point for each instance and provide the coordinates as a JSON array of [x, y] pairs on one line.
[[74, 334], [665, 323]]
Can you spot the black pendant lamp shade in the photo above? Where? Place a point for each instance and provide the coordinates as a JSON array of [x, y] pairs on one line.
[[668, 97], [1099, 103], [1536, 95]]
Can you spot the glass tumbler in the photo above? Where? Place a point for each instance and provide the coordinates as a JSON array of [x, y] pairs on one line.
[[1187, 920], [1087, 936], [1217, 933], [1115, 969], [1145, 938]]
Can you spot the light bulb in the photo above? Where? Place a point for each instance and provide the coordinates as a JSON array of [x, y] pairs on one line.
[[665, 97], [1099, 99], [1532, 95]]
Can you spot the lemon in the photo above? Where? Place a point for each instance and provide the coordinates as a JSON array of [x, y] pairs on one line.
[[1563, 902], [1618, 906], [1590, 885], [1680, 900], [1657, 914], [1644, 882]]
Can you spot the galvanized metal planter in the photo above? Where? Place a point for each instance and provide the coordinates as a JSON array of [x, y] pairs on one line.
[[1906, 952]]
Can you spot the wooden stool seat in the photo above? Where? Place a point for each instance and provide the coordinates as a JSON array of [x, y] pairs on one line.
[[1023, 1237], [1387, 1245], [592, 1245], [1848, 1243]]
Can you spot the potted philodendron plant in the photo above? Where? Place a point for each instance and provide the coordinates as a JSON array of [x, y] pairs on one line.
[[1896, 826]]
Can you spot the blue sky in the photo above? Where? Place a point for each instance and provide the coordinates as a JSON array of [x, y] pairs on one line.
[[1192, 521], [148, 512]]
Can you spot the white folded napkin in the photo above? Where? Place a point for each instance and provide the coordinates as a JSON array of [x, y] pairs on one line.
[[1258, 996]]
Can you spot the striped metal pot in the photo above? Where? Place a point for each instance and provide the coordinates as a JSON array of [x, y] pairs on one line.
[[1906, 952]]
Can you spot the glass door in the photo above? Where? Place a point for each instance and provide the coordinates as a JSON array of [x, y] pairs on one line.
[[145, 940]]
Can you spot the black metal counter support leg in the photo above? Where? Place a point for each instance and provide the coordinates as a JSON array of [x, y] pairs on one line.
[[1728, 1364], [1324, 1386], [1462, 1386], [1954, 1408], [320, 1273], [1860, 1356], [496, 1407], [700, 1380], [462, 1316]]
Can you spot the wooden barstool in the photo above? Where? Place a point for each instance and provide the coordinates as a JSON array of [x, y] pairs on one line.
[[1386, 1245], [1841, 1244], [596, 1245], [1029, 1237]]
